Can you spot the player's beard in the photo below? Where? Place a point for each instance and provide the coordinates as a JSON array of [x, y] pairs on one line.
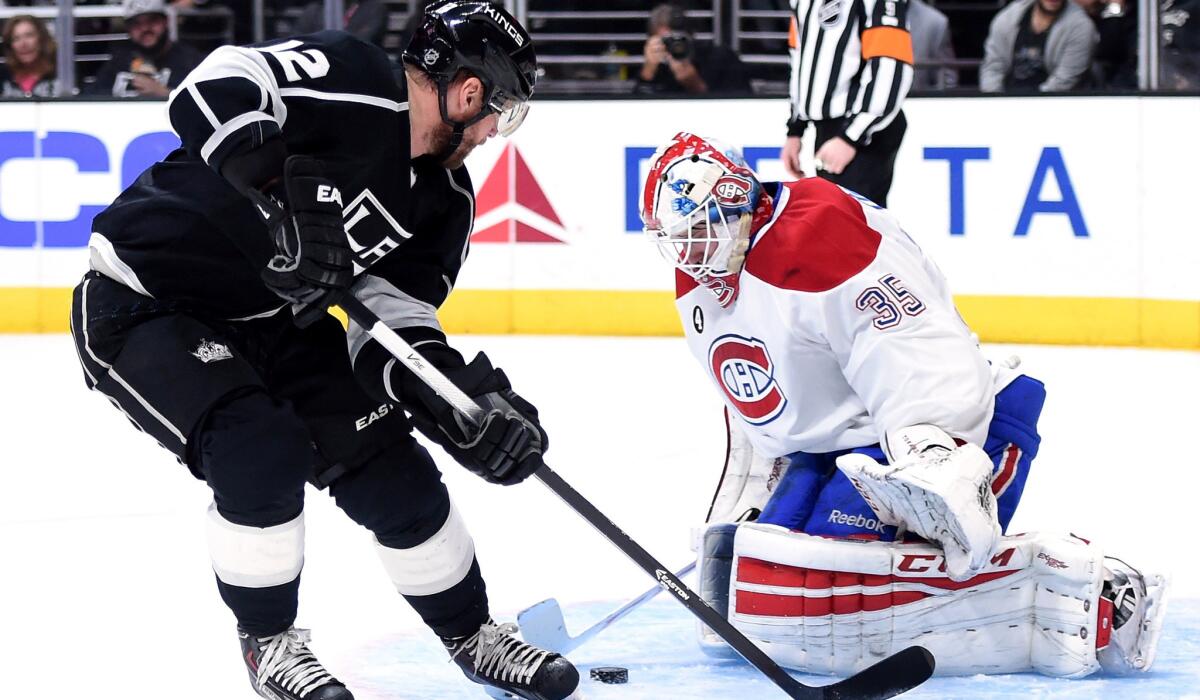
[[441, 142]]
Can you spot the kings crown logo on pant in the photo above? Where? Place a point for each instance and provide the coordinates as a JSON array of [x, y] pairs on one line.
[[211, 351]]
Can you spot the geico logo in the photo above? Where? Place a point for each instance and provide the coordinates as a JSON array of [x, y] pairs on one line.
[[88, 154], [1050, 190]]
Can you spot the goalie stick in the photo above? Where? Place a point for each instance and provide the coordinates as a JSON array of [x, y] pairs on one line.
[[892, 676], [542, 624]]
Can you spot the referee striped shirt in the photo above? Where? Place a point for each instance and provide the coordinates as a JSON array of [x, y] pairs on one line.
[[851, 60]]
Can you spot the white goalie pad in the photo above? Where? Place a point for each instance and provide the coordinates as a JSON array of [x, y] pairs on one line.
[[747, 481], [837, 606]]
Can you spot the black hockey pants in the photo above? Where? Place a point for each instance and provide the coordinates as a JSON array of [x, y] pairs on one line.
[[256, 409]]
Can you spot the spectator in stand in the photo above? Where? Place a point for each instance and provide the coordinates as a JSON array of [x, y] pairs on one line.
[[366, 20], [675, 63], [29, 58], [930, 31], [151, 65], [1038, 45], [1115, 64], [1180, 27]]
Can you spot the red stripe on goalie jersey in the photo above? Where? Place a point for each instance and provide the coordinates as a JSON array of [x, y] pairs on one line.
[[810, 592], [819, 241], [1008, 469], [684, 283]]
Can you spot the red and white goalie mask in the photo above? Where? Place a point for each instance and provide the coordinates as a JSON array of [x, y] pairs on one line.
[[698, 206]]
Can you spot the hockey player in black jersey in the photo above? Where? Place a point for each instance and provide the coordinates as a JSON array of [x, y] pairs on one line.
[[310, 168]]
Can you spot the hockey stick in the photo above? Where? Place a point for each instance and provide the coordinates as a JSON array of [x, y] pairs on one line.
[[892, 676], [542, 624]]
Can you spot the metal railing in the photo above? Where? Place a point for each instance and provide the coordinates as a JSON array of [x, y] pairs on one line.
[[63, 26], [590, 50]]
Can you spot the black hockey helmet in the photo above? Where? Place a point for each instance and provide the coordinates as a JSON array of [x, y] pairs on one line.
[[484, 39]]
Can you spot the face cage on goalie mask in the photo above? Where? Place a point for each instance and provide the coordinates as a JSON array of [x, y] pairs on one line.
[[698, 243]]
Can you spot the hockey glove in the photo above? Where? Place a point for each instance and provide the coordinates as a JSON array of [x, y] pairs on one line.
[[313, 262], [509, 443]]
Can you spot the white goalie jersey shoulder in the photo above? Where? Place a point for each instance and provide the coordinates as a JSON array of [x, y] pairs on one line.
[[837, 606]]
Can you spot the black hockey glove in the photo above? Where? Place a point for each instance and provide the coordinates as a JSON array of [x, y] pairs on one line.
[[506, 448], [313, 262]]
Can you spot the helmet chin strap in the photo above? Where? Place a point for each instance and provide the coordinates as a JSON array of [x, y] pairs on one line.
[[456, 138], [741, 244]]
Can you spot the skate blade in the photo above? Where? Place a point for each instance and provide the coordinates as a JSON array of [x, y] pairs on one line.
[[505, 695]]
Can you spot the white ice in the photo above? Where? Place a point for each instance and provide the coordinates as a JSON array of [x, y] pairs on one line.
[[106, 589]]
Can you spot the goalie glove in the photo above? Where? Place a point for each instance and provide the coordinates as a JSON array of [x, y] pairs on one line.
[[508, 444], [933, 489]]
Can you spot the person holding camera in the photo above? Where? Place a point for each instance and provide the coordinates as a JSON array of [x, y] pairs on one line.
[[675, 63]]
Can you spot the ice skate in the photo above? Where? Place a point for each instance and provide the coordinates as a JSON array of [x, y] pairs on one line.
[[494, 657], [281, 667], [1139, 604]]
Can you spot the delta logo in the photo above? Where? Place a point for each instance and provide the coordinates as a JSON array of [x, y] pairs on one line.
[[511, 206]]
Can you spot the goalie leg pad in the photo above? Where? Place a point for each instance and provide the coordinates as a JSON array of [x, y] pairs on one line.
[[716, 560], [837, 606]]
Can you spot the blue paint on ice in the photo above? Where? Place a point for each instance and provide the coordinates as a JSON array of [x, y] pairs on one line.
[[656, 644]]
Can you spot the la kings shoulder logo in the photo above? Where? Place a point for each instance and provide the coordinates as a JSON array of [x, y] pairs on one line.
[[211, 351]]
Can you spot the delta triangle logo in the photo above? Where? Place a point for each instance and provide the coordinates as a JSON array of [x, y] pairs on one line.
[[511, 206]]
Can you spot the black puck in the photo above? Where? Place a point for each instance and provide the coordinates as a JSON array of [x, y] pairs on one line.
[[610, 674]]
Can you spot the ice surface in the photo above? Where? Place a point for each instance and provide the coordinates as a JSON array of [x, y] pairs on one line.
[[106, 589]]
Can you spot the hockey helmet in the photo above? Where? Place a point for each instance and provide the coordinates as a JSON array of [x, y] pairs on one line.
[[484, 39], [698, 203]]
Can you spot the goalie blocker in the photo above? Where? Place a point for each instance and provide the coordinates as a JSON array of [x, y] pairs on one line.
[[1051, 604]]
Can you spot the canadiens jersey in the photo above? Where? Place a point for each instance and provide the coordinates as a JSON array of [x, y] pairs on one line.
[[842, 330]]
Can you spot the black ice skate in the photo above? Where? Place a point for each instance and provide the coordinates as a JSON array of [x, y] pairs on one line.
[[493, 657], [282, 668]]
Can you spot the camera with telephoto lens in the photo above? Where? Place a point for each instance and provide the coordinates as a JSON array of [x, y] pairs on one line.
[[679, 45]]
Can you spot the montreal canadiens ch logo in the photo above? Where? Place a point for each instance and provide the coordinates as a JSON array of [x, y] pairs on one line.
[[732, 191], [745, 373]]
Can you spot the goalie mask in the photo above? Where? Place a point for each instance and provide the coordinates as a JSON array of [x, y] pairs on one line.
[[699, 206]]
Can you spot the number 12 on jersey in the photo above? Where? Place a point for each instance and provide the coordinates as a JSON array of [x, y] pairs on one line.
[[890, 302]]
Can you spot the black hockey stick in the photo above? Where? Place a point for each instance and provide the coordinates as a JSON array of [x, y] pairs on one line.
[[542, 624], [887, 678]]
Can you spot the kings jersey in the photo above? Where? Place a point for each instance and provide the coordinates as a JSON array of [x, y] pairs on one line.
[[181, 232]]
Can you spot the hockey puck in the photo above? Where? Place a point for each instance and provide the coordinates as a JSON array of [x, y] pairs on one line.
[[610, 674]]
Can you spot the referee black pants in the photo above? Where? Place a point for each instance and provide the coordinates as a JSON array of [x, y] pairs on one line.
[[870, 173]]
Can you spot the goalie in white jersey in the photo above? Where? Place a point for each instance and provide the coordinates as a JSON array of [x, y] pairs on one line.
[[876, 457]]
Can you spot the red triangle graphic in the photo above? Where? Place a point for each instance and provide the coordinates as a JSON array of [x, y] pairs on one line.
[[496, 233], [529, 193], [529, 234], [495, 190], [511, 180]]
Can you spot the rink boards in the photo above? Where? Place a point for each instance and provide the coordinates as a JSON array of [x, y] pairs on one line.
[[1057, 220]]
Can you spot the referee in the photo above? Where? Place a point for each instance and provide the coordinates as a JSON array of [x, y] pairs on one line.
[[851, 70]]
